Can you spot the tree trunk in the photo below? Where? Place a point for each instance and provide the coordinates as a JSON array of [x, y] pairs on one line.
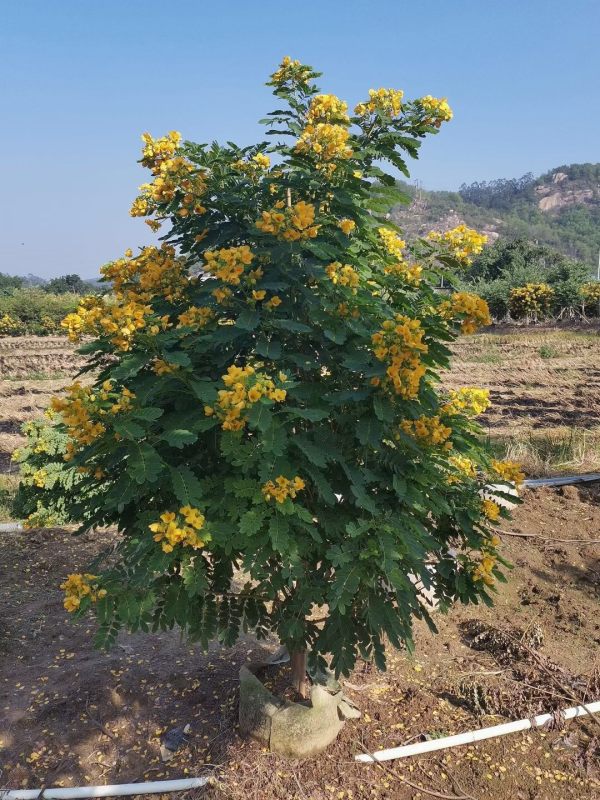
[[299, 677]]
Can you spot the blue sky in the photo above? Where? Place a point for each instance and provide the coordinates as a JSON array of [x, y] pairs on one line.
[[80, 80]]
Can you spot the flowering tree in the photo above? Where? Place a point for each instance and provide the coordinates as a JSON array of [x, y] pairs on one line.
[[265, 424]]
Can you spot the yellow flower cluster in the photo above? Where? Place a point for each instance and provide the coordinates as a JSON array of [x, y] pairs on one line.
[[590, 292], [162, 367], [461, 242], [464, 466], [155, 271], [327, 108], [9, 326], [39, 478], [229, 263], [82, 404], [531, 299], [282, 488], [173, 176], [409, 273], [291, 70], [509, 471], [196, 317], [344, 311], [255, 166], [290, 224], [343, 274], [119, 321], [180, 528], [273, 302], [77, 586], [428, 430], [490, 509], [347, 226], [400, 343], [155, 151], [76, 410], [384, 101], [326, 140], [489, 559], [392, 243], [469, 400], [472, 310], [245, 386], [436, 109]]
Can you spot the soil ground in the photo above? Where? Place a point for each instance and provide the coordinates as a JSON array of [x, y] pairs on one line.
[[70, 715]]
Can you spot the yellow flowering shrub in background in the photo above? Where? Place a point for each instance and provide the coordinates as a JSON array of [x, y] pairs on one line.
[[532, 301]]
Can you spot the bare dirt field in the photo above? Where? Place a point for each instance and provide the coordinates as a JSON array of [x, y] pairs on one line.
[[544, 384], [70, 715]]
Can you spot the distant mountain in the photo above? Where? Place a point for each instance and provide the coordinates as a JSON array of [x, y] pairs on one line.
[[560, 209]]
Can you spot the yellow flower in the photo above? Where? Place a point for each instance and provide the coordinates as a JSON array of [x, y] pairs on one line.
[[229, 263], [291, 224], [384, 101], [244, 387], [327, 108], [180, 529], [436, 110], [392, 243], [77, 586], [325, 141], [258, 294], [161, 367], [461, 242], [490, 509], [290, 71], [462, 465], [282, 488], [509, 471], [343, 274], [469, 400], [399, 343], [347, 226], [428, 430], [273, 302], [471, 310]]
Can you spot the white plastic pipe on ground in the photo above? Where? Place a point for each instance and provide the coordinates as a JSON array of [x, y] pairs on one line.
[[116, 790], [474, 736]]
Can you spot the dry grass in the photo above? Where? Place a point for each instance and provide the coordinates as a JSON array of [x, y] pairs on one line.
[[554, 452]]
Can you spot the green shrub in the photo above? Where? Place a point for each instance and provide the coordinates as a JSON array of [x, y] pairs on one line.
[[36, 311]]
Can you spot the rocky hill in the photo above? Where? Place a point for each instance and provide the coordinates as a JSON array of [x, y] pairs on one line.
[[560, 209]]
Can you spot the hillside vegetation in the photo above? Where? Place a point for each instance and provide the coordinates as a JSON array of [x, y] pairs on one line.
[[560, 209]]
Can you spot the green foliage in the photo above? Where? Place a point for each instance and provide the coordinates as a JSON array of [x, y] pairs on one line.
[[69, 284], [9, 282], [508, 265], [46, 479], [229, 435], [34, 311]]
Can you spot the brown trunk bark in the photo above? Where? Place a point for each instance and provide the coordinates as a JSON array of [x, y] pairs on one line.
[[299, 677]]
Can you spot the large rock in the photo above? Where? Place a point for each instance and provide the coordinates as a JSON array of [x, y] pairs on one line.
[[294, 730]]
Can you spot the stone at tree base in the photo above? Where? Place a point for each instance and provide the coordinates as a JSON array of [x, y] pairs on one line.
[[291, 729], [257, 707]]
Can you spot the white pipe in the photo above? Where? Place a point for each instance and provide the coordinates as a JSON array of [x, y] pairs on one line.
[[563, 480], [116, 790], [10, 527], [474, 736]]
